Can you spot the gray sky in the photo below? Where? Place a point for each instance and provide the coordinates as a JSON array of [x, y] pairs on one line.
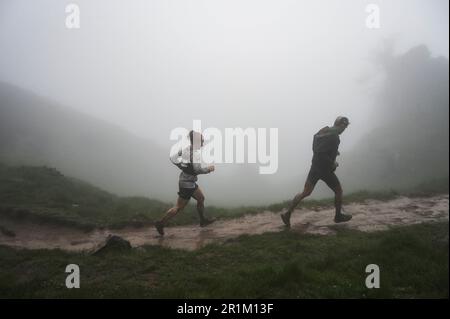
[[151, 66]]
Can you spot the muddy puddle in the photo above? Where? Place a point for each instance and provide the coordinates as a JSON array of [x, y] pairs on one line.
[[368, 216]]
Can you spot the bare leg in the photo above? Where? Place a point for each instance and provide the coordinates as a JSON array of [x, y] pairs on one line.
[[200, 198], [339, 217], [179, 206], [338, 199], [309, 187]]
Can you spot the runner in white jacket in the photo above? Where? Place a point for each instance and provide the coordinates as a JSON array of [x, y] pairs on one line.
[[188, 160]]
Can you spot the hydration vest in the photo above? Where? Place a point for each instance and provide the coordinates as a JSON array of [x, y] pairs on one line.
[[187, 168], [325, 141]]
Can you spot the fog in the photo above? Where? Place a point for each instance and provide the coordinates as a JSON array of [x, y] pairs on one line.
[[151, 66]]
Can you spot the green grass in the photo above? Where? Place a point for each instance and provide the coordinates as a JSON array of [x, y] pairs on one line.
[[43, 194], [413, 261]]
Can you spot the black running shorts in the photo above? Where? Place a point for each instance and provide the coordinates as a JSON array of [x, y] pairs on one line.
[[329, 177], [186, 193]]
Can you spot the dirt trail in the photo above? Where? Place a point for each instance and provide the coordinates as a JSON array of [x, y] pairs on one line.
[[368, 216]]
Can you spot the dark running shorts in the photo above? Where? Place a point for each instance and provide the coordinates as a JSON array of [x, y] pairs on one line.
[[186, 193], [328, 177]]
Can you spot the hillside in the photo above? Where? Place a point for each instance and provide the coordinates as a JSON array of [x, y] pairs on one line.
[[44, 194], [37, 131]]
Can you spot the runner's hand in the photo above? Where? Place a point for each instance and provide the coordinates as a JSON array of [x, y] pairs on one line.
[[211, 168]]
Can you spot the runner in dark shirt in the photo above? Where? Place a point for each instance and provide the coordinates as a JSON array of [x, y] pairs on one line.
[[325, 149]]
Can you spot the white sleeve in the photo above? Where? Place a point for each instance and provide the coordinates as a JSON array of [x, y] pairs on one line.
[[175, 157]]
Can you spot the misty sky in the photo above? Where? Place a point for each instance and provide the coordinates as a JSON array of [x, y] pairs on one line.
[[151, 66]]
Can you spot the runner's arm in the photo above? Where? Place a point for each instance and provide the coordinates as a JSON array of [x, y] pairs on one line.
[[175, 157], [197, 166], [198, 169]]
